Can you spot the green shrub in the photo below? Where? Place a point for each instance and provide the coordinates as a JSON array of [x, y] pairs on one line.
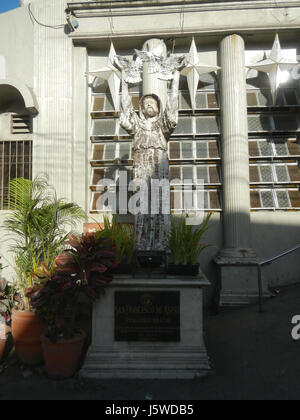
[[185, 241]]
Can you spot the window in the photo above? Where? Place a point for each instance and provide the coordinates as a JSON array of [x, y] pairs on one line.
[[204, 101], [279, 147], [195, 200], [274, 155], [106, 152], [15, 162], [276, 173], [114, 177], [275, 199], [194, 151], [209, 174]]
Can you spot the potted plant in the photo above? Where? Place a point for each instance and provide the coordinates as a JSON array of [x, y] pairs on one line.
[[82, 271], [6, 302], [185, 246], [123, 239], [39, 224]]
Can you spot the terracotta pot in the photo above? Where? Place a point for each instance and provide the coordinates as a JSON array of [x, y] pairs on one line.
[[4, 342], [27, 329], [63, 357]]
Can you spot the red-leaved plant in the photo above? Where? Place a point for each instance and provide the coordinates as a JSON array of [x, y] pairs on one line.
[[81, 274]]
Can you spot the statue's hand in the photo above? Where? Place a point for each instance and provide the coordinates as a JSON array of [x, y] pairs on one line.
[[182, 62], [176, 76]]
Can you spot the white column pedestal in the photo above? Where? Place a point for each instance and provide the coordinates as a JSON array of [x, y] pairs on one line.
[[238, 280], [240, 284]]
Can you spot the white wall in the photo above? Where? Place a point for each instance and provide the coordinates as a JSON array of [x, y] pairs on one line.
[[16, 46]]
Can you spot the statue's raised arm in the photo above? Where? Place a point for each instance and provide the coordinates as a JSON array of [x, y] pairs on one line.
[[171, 111]]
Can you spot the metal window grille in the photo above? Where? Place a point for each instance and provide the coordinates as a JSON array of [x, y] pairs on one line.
[[15, 162]]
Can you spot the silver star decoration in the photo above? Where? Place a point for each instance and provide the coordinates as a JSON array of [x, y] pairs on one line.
[[112, 75], [274, 66], [194, 70]]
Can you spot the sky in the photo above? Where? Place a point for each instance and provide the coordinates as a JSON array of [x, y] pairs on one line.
[[8, 5]]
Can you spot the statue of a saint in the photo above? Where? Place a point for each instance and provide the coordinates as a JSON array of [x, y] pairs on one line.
[[151, 130]]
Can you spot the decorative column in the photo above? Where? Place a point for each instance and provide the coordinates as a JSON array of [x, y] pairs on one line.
[[152, 84], [238, 277], [237, 234]]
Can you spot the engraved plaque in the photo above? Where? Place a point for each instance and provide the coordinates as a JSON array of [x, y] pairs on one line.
[[147, 316]]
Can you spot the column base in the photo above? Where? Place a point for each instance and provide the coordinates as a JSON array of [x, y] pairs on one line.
[[239, 278]]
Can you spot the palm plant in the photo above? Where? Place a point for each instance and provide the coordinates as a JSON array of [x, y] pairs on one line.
[[40, 224], [185, 241], [122, 237]]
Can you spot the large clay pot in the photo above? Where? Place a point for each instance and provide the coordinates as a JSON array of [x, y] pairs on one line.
[[4, 341], [27, 329], [63, 357]]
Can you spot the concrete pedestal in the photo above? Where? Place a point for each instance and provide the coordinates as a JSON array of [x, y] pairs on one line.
[[239, 282], [186, 359]]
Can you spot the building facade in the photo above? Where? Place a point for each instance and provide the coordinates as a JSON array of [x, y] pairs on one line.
[[235, 131]]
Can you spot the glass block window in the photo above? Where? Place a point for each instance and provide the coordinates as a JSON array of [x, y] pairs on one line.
[[275, 199], [195, 200], [209, 174], [283, 199], [274, 156], [207, 125], [280, 147], [276, 173], [102, 104], [265, 148], [124, 151], [277, 122], [259, 98], [193, 150], [259, 123], [294, 196], [185, 126], [267, 199], [293, 147], [104, 128], [15, 162], [204, 101], [265, 172], [114, 176], [286, 122], [111, 151], [262, 98], [289, 97]]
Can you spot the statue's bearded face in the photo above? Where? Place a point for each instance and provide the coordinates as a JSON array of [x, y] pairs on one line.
[[150, 107]]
